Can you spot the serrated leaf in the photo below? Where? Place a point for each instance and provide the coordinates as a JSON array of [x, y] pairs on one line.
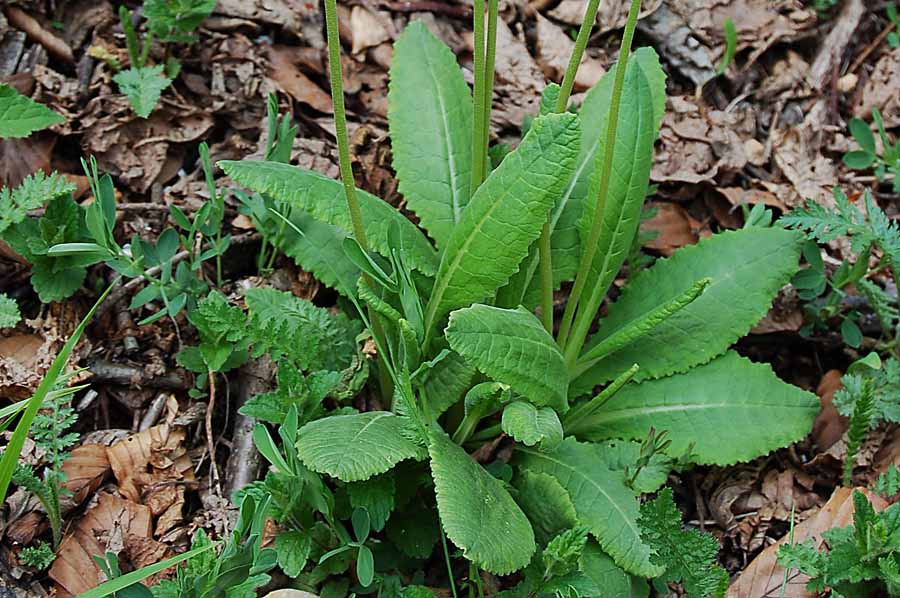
[[531, 425], [9, 311], [143, 86], [546, 503], [325, 199], [446, 383], [376, 496], [476, 510], [504, 216], [729, 410], [602, 500], [414, 531], [430, 117], [511, 346], [353, 448], [747, 268], [293, 548], [36, 190], [565, 240], [604, 572], [20, 116]]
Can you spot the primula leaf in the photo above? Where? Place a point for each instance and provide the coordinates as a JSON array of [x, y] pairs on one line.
[[604, 572], [602, 500], [353, 448], [706, 409], [629, 179], [531, 425], [446, 382], [504, 216], [511, 346], [546, 503], [688, 556], [325, 199], [476, 510], [143, 86], [430, 116], [20, 116], [747, 268]]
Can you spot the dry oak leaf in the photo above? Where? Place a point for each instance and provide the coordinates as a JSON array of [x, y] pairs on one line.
[[85, 469], [763, 577], [611, 14], [115, 524]]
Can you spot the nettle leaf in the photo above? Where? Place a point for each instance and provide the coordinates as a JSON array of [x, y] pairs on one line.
[[546, 503], [531, 425], [629, 179], [143, 86], [565, 238], [602, 500], [325, 199], [36, 190], [747, 268], [706, 409], [476, 510], [511, 346], [430, 117], [353, 448], [20, 116], [504, 216], [293, 548]]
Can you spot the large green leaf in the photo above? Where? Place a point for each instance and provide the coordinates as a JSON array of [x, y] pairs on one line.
[[546, 503], [511, 346], [325, 199], [730, 410], [446, 383], [747, 268], [504, 216], [476, 510], [621, 213], [565, 240], [602, 500], [20, 116], [604, 572], [430, 116], [353, 448]]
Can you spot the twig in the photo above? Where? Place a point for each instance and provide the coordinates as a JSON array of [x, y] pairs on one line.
[[454, 10], [25, 22], [244, 461], [153, 412], [126, 375], [871, 48], [210, 442]]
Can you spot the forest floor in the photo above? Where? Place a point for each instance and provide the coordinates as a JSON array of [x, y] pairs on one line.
[[772, 129]]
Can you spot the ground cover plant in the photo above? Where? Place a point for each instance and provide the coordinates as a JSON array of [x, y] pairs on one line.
[[472, 382]]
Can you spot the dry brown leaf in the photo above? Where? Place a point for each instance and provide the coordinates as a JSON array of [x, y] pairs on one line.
[[299, 16], [882, 90], [797, 152], [370, 28], [554, 47], [114, 524], [610, 15], [518, 80], [763, 577], [785, 314], [23, 360], [830, 425], [674, 227], [22, 157], [85, 469], [284, 71]]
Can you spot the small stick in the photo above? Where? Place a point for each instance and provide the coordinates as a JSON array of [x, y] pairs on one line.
[[25, 22]]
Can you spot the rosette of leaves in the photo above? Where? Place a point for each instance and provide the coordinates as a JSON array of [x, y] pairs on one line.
[[450, 307]]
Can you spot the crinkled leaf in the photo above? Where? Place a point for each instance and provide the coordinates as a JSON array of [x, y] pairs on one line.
[[511, 346], [546, 503], [143, 86], [354, 448], [504, 216], [531, 425], [20, 116], [293, 548], [602, 500], [446, 382], [325, 199], [476, 510], [430, 116], [728, 410], [747, 268]]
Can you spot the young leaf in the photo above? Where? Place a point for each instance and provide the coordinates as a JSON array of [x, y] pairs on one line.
[[602, 500], [747, 268], [504, 216], [511, 346], [143, 86], [9, 312], [531, 425], [20, 116], [476, 511], [35, 191], [705, 409], [430, 117], [353, 448], [293, 548], [546, 503], [688, 556], [376, 496], [324, 198]]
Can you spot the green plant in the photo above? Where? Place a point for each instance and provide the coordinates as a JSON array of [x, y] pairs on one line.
[[893, 37], [468, 360], [9, 311], [40, 556], [888, 483], [730, 47], [861, 560], [887, 163], [20, 116]]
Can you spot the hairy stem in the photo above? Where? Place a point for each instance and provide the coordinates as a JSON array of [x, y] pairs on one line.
[[544, 246], [570, 422], [489, 59], [590, 249], [478, 150]]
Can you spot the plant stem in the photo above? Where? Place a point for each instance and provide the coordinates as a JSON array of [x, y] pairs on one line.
[[478, 150], [544, 244], [587, 409], [340, 121], [590, 249], [447, 561], [490, 57]]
